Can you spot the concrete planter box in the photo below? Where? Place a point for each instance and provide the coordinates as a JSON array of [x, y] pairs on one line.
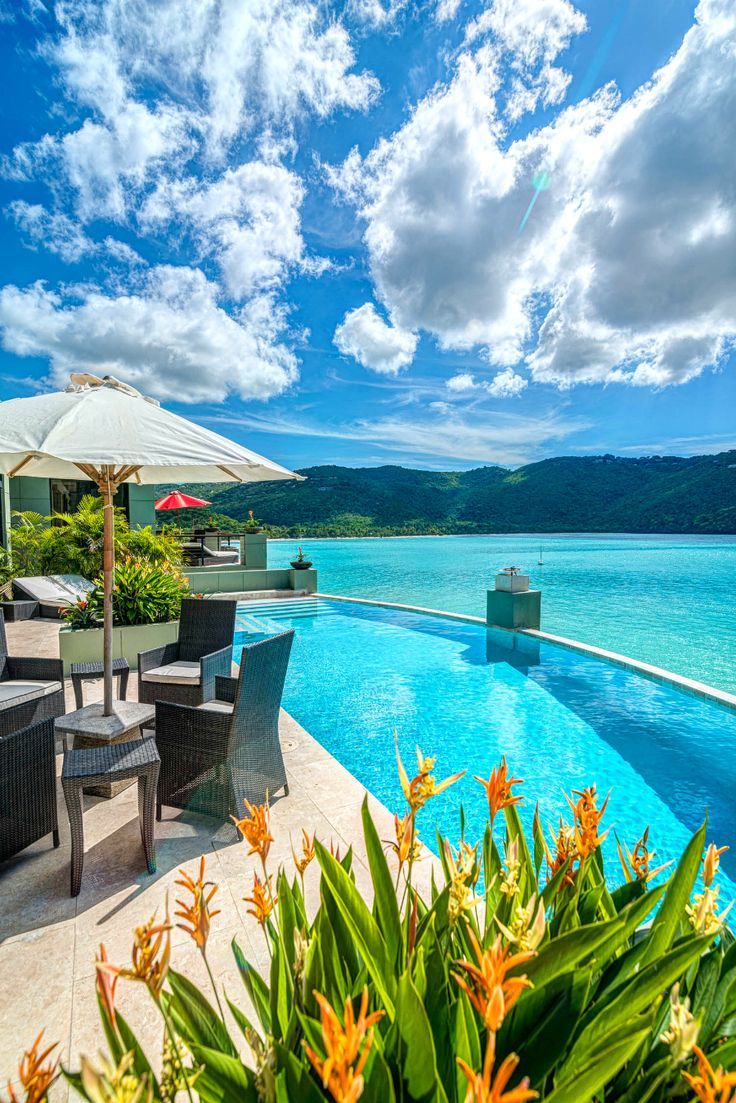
[[512, 583], [85, 645]]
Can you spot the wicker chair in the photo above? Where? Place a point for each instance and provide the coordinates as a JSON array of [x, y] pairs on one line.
[[27, 788], [185, 672], [31, 689], [215, 756]]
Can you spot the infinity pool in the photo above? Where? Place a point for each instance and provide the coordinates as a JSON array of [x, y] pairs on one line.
[[468, 694]]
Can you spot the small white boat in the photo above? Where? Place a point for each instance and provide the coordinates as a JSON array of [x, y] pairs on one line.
[[540, 561]]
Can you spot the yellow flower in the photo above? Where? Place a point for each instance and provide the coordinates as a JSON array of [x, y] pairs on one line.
[[682, 1033], [263, 900], [527, 927], [423, 785], [498, 788], [482, 1090], [307, 853], [255, 828], [489, 989], [711, 863], [36, 1073], [464, 873], [510, 875], [346, 1048], [711, 1085], [703, 912], [197, 915], [635, 863], [115, 1083]]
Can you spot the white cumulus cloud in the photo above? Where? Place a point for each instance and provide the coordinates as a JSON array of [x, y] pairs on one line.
[[626, 268], [506, 384], [381, 347], [168, 335]]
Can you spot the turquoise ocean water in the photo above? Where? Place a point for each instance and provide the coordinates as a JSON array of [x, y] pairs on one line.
[[668, 600]]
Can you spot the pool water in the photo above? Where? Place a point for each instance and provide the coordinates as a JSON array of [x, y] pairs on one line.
[[666, 600], [467, 695]]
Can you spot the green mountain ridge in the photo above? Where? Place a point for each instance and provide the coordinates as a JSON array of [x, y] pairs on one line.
[[607, 493]]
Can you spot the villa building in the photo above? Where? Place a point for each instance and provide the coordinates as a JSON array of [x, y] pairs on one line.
[[47, 496]]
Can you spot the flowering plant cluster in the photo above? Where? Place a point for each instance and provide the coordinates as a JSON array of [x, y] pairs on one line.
[[523, 974]]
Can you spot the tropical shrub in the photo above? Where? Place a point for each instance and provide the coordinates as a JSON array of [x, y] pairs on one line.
[[548, 982], [72, 543], [143, 593]]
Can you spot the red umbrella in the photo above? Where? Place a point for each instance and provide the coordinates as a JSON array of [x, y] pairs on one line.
[[176, 500]]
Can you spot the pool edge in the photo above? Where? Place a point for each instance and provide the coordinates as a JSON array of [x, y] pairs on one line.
[[690, 686]]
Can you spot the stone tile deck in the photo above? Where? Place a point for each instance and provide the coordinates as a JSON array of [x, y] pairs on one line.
[[48, 940]]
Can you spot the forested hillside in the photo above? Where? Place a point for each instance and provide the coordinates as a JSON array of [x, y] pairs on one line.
[[586, 494]]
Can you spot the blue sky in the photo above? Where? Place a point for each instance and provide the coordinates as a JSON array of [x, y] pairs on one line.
[[303, 224]]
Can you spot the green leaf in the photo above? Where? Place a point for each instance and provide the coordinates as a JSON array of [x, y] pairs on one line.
[[385, 905], [589, 1081], [255, 986], [362, 926], [466, 1042], [223, 1078], [637, 994], [282, 990], [414, 1044], [669, 917], [195, 1018]]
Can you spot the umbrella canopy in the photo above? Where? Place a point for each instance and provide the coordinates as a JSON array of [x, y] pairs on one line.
[[177, 500], [112, 435]]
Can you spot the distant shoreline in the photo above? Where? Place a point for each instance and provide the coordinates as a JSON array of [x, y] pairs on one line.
[[728, 536]]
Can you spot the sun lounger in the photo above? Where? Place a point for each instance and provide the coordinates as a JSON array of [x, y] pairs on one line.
[[54, 592]]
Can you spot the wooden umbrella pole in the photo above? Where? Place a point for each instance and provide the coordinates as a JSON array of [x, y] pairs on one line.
[[107, 490]]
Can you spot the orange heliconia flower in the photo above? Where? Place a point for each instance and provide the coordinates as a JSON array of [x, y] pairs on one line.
[[565, 850], [407, 845], [635, 863], [482, 1090], [197, 915], [307, 853], [711, 1085], [498, 788], [151, 955], [587, 820], [489, 989], [36, 1073], [263, 900], [346, 1048], [255, 828], [423, 785], [106, 983]]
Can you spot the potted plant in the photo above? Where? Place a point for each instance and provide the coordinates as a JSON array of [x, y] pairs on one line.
[[252, 524], [301, 563]]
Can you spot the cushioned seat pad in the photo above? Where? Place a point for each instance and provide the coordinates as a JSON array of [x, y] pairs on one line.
[[216, 706], [17, 691], [180, 673]]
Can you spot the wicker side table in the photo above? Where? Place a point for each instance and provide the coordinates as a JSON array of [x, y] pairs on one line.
[[108, 765], [88, 671]]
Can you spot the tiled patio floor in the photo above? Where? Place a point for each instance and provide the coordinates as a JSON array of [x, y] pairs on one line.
[[48, 940]]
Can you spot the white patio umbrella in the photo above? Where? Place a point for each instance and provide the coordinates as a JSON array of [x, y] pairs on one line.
[[111, 434]]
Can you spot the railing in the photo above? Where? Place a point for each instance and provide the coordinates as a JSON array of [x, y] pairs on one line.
[[208, 547]]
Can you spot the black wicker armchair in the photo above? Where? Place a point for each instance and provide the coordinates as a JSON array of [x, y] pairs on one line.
[[185, 671], [31, 689], [27, 788], [215, 756]]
